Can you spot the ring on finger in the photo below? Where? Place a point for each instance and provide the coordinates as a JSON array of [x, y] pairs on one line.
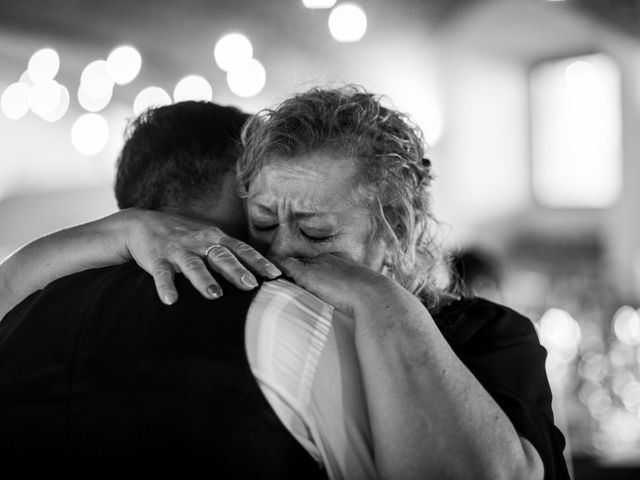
[[207, 251]]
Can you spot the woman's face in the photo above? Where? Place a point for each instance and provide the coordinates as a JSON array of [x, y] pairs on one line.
[[305, 206]]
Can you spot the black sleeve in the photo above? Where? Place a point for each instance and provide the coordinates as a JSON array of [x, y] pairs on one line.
[[502, 350]]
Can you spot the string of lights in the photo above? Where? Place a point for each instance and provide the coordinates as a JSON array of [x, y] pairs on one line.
[[38, 91]]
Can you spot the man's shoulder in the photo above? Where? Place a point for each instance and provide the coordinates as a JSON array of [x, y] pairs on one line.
[[78, 283], [127, 287], [72, 289], [478, 320], [117, 309]]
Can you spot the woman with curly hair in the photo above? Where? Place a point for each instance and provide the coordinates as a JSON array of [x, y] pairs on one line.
[[337, 194]]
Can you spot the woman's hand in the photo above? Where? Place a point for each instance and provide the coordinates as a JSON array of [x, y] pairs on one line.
[[163, 244], [339, 281]]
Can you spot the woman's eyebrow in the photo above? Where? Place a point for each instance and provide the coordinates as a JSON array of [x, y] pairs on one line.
[[260, 208], [306, 215], [326, 219]]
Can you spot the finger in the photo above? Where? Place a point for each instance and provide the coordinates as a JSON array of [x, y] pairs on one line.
[[294, 268], [252, 258], [194, 268], [224, 262], [162, 273]]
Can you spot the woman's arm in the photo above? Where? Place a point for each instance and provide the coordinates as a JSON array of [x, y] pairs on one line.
[[162, 244], [430, 417], [67, 251]]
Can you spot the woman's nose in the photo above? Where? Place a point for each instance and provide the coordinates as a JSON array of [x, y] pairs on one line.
[[285, 244]]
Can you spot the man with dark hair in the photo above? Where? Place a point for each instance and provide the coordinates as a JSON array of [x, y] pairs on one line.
[[173, 160], [95, 367]]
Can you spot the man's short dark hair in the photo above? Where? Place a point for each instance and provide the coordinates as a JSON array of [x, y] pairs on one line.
[[177, 155]]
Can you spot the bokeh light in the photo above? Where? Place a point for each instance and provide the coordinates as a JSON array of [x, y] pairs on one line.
[[593, 367], [599, 403], [621, 380], [90, 133], [347, 23], [232, 51], [560, 334], [150, 97], [626, 325], [123, 64], [26, 79], [62, 107], [15, 100], [95, 81], [192, 87], [43, 65], [247, 80], [44, 97], [319, 3], [619, 432], [93, 104], [631, 396]]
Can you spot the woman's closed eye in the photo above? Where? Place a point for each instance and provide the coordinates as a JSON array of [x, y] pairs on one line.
[[316, 238], [264, 228]]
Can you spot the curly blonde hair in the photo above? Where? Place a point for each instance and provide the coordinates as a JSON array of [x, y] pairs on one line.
[[394, 177]]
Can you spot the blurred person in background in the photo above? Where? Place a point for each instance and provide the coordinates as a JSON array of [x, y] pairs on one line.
[[338, 194], [478, 273], [94, 367]]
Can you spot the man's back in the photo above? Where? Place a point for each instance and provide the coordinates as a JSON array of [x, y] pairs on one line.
[[95, 367]]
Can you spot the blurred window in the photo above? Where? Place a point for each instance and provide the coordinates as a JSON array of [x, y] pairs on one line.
[[576, 132]]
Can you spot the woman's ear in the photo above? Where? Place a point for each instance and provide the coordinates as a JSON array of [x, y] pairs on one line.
[[387, 260]]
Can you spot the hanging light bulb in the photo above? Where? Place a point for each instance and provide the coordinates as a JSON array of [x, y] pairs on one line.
[[93, 104], [232, 51], [247, 80], [43, 65], [15, 100], [347, 23], [90, 134], [44, 97], [95, 81], [62, 107], [123, 64], [192, 87], [150, 97], [26, 79]]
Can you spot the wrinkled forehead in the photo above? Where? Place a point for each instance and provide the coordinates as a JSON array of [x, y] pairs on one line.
[[306, 180]]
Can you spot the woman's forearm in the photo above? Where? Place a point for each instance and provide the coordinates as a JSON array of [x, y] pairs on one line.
[[430, 417], [90, 245], [161, 243]]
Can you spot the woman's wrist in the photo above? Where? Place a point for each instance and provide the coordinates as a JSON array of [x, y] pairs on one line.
[[109, 237], [386, 308], [127, 227], [375, 294]]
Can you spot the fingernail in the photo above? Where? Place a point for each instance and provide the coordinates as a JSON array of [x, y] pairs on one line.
[[170, 298], [290, 262], [214, 291], [273, 271], [249, 280]]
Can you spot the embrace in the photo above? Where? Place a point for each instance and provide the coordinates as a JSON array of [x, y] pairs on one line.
[[324, 336]]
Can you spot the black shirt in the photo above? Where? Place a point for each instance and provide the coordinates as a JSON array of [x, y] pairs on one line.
[[501, 348], [99, 379]]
